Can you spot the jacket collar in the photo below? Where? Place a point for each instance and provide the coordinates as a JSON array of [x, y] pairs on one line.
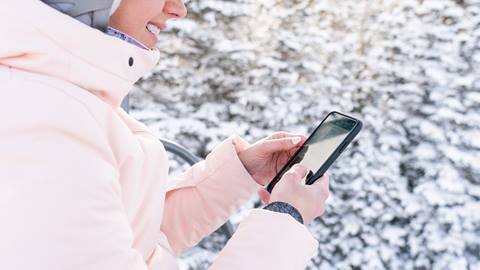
[[42, 40]]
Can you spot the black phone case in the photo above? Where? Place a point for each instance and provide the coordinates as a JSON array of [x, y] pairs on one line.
[[356, 129]]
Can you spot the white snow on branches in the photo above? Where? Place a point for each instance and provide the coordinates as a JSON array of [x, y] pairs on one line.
[[406, 195]]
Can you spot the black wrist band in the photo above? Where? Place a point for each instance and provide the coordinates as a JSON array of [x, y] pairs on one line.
[[283, 207]]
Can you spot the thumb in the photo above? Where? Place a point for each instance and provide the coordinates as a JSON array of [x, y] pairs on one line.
[[297, 172], [282, 144], [324, 184]]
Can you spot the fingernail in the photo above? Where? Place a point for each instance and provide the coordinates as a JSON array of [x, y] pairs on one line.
[[298, 166], [296, 140]]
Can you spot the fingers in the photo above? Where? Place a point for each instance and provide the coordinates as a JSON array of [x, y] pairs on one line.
[[282, 144], [264, 195], [285, 135], [294, 150], [323, 183], [321, 211], [283, 141], [279, 135]]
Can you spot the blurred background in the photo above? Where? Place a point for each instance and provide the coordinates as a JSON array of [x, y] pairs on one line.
[[406, 194]]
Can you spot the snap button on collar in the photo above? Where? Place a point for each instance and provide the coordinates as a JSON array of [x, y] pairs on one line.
[[130, 61]]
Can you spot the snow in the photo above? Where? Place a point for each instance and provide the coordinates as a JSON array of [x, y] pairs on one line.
[[406, 194]]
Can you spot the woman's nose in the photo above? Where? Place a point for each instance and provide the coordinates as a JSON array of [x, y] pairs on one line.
[[175, 8]]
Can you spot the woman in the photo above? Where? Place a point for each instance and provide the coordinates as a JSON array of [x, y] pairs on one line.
[[84, 186]]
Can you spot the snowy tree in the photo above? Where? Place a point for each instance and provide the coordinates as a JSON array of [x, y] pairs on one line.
[[406, 194]]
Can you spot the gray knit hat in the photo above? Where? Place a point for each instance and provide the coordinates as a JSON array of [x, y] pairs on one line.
[[115, 5], [94, 13]]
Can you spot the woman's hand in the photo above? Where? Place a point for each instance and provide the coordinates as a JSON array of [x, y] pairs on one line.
[[266, 157], [309, 200]]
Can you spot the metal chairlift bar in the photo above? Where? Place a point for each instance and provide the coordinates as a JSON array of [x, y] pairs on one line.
[[180, 151], [187, 156]]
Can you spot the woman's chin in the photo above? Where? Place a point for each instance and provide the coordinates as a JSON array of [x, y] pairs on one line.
[[150, 40]]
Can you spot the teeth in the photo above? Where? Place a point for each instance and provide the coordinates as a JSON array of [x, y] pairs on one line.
[[152, 28]]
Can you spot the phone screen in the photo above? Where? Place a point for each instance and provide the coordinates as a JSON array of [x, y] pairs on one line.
[[320, 145]]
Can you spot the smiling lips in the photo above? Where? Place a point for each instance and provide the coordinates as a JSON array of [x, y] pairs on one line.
[[155, 28]]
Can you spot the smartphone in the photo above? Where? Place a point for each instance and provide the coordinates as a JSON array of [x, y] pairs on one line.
[[323, 146]]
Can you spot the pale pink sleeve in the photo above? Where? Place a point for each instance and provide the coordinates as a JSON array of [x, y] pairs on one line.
[[267, 240], [205, 196], [200, 200]]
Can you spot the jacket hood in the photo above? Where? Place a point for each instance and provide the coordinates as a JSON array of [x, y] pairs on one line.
[[40, 39]]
